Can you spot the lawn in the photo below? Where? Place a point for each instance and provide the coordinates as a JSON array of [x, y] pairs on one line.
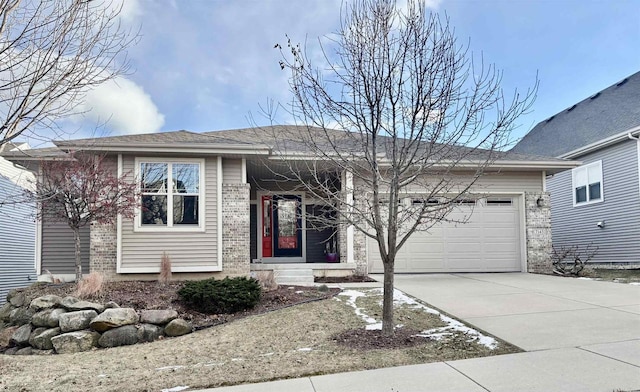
[[614, 275], [301, 340]]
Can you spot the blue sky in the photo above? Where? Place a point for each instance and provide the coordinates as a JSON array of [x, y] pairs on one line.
[[205, 65]]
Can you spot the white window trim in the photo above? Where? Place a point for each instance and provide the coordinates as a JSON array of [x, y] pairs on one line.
[[138, 227], [573, 184]]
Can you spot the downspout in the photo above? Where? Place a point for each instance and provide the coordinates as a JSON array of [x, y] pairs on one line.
[[637, 139]]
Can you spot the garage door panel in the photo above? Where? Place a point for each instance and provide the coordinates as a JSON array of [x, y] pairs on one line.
[[489, 241]]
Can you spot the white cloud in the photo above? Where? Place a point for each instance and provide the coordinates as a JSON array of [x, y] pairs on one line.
[[123, 106]]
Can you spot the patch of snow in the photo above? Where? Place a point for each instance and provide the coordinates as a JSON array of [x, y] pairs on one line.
[[176, 389], [266, 355], [434, 334], [305, 349], [237, 359], [102, 375], [299, 292], [635, 283], [170, 367], [374, 326], [353, 295], [583, 278]]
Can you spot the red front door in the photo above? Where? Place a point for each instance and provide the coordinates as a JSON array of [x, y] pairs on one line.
[[267, 227]]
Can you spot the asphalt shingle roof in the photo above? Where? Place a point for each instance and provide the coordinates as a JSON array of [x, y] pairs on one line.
[[611, 111]]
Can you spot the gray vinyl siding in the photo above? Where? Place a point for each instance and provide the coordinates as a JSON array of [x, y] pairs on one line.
[[58, 248], [232, 171], [253, 228], [620, 210], [142, 250], [17, 241]]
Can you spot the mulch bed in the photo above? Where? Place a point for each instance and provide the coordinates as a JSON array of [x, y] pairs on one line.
[[362, 339], [146, 295], [344, 279]]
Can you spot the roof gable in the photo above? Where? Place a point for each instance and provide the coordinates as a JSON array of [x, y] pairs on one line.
[[609, 112]]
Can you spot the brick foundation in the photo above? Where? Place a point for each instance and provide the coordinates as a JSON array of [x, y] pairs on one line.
[[538, 231]]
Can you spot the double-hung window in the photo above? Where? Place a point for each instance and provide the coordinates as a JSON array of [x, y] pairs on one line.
[[587, 184], [170, 193]]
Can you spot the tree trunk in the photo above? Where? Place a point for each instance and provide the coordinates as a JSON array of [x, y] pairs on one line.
[[76, 236], [387, 302]]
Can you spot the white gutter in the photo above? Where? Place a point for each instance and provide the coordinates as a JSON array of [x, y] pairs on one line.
[[601, 143], [637, 139]]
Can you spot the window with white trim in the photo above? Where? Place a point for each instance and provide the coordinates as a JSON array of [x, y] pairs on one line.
[[170, 193], [587, 184]]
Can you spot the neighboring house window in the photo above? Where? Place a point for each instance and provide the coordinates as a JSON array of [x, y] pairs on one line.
[[171, 194], [587, 184]]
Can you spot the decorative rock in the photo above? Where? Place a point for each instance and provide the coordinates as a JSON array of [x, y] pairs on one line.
[[12, 351], [68, 301], [74, 342], [42, 341], [47, 318], [84, 305], [5, 312], [121, 336], [111, 305], [76, 321], [158, 317], [25, 351], [21, 336], [21, 316], [16, 298], [45, 302], [113, 318], [5, 335], [149, 332], [34, 333], [177, 327]]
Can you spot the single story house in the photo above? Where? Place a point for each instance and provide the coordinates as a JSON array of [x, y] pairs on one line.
[[596, 204], [17, 226], [214, 202]]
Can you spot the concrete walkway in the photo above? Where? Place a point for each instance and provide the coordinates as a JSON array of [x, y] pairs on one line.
[[579, 335]]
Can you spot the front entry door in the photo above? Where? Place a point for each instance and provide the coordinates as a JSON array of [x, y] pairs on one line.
[[287, 226]]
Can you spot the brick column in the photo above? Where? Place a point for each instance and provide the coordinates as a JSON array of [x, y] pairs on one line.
[[236, 256], [538, 231], [103, 249]]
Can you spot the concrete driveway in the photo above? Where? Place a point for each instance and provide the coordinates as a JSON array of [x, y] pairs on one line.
[[580, 335]]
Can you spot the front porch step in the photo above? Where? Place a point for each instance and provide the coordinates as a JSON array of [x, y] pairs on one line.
[[298, 277]]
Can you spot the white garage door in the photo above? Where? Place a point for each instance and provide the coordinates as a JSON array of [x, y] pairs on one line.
[[489, 242]]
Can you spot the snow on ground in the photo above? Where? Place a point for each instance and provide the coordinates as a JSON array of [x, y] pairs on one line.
[[176, 389], [400, 298]]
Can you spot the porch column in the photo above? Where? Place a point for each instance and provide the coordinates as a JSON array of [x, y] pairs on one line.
[[350, 228]]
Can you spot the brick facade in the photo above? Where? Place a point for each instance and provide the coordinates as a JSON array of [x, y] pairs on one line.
[[538, 232], [236, 244], [103, 249]]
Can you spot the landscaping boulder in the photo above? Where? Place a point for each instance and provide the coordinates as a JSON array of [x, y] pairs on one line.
[[74, 342], [121, 336], [11, 351], [68, 301], [149, 332], [47, 318], [42, 340], [76, 321], [177, 327], [84, 305], [5, 335], [158, 317], [21, 336], [35, 332], [45, 302], [21, 316], [16, 298], [24, 351], [111, 305], [113, 318], [5, 312]]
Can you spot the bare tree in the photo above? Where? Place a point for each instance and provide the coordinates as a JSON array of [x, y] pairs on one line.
[[418, 121], [51, 53], [81, 190]]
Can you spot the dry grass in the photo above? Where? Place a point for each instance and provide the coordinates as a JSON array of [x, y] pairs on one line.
[[165, 269], [293, 342], [90, 285]]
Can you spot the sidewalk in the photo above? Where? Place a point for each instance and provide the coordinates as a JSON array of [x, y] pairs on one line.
[[580, 336]]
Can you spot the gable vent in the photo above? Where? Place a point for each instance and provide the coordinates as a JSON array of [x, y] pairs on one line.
[[622, 82], [571, 108], [595, 96]]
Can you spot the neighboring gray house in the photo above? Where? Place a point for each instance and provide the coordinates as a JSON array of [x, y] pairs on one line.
[[17, 229], [213, 202], [597, 203]]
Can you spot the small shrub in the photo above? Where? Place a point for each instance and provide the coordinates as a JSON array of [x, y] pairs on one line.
[[90, 285], [228, 295], [165, 269], [323, 288]]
